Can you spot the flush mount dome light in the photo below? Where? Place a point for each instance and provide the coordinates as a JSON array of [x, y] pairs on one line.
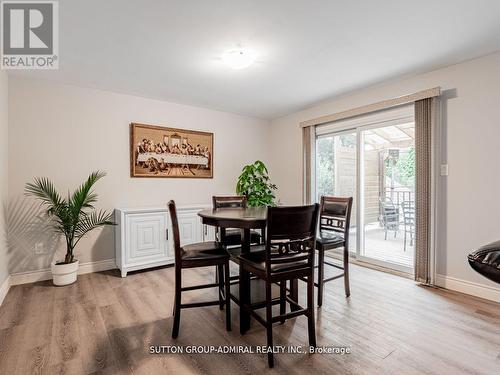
[[238, 58]]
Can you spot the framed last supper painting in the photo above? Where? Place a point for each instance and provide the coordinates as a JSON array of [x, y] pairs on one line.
[[157, 151]]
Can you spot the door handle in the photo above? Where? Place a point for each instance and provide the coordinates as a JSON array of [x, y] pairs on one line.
[[166, 234]]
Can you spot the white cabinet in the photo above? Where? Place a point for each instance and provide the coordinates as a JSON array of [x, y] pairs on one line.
[[208, 232], [144, 235], [190, 228]]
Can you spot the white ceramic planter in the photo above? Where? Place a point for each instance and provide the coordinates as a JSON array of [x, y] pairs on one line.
[[64, 274]]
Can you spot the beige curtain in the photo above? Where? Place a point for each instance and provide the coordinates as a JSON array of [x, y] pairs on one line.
[[424, 114], [308, 138]]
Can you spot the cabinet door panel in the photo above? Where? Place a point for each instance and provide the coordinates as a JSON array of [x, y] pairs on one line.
[[190, 230], [146, 237], [208, 232]]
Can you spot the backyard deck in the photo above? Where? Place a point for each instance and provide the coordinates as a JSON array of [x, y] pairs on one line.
[[390, 250]]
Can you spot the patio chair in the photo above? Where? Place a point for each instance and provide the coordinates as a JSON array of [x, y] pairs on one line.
[[389, 216], [408, 221]]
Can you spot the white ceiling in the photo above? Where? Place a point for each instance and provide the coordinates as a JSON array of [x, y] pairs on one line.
[[307, 50]]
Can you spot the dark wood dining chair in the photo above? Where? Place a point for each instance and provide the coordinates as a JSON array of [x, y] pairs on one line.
[[335, 220], [289, 255], [203, 254], [232, 237]]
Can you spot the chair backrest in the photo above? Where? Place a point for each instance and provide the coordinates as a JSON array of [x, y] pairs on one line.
[[291, 236], [386, 204], [389, 212], [175, 229], [335, 215], [408, 212], [229, 201]]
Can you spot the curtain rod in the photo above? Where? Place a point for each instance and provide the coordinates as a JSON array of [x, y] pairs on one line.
[[405, 99]]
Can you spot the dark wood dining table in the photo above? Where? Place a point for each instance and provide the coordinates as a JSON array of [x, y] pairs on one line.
[[245, 219]]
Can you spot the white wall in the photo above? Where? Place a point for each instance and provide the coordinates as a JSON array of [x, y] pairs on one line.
[[64, 132], [471, 112], [3, 175]]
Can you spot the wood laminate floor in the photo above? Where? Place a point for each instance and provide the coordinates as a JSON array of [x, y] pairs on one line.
[[104, 324]]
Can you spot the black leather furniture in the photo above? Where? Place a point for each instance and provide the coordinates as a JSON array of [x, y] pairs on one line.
[[486, 261]]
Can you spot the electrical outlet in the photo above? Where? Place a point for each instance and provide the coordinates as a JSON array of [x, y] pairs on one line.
[[39, 248], [444, 170]]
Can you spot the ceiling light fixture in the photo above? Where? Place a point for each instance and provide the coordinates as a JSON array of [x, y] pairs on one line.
[[238, 58]]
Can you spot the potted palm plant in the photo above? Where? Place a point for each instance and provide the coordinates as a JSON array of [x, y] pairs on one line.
[[255, 184], [73, 217]]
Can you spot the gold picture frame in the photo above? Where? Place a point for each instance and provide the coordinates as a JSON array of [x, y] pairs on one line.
[[164, 152]]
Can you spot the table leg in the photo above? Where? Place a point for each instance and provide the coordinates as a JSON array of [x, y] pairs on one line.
[[244, 285], [222, 235]]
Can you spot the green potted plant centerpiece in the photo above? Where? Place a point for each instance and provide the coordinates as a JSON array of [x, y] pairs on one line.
[[255, 184], [72, 217]]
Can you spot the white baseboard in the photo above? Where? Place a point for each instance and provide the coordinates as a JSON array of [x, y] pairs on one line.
[[4, 289], [468, 287], [99, 266], [45, 274]]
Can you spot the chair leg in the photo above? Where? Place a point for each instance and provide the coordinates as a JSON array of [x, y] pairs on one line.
[[294, 293], [282, 299], [177, 303], [311, 325], [404, 242], [269, 324], [321, 275], [244, 288], [227, 295], [346, 272], [220, 273]]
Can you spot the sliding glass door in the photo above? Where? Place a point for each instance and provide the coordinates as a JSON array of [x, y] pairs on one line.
[[387, 185], [336, 170], [375, 164]]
